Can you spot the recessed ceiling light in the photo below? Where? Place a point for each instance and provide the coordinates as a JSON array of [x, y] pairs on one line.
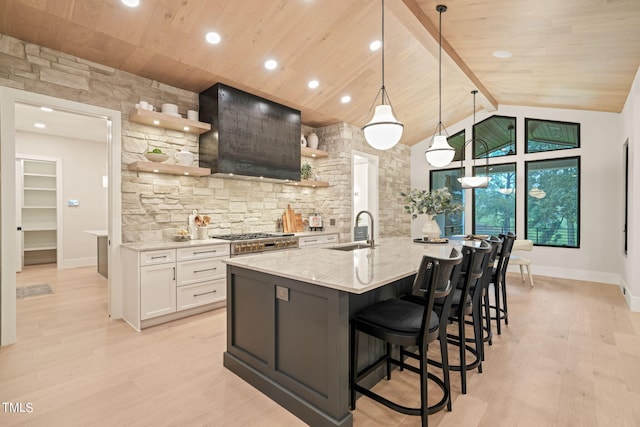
[[502, 54], [375, 45], [313, 84], [40, 125], [345, 99], [47, 109], [213, 37], [131, 3], [271, 64]]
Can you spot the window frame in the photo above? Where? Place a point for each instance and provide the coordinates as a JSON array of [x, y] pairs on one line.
[[527, 120], [452, 191], [475, 137], [515, 200], [579, 201]]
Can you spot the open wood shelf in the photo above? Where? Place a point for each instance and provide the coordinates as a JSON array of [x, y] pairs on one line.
[[150, 118], [142, 166], [310, 152], [309, 183]]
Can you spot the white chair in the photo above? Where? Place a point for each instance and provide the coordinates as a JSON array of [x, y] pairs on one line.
[[522, 245]]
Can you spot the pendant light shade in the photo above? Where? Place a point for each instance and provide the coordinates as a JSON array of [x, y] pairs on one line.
[[474, 182], [383, 131], [467, 182], [440, 153]]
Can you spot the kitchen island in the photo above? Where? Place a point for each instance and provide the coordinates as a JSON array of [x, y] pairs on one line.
[[288, 319]]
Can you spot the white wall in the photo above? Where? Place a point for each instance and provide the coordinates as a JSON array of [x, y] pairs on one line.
[[599, 257], [630, 279], [83, 165]]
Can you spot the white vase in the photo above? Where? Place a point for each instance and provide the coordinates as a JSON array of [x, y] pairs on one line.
[[303, 141], [312, 141], [431, 229]]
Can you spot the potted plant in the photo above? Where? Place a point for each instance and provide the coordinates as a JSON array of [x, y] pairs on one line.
[[305, 171], [430, 203]]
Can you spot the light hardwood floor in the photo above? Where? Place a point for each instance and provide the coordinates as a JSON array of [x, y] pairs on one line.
[[569, 357]]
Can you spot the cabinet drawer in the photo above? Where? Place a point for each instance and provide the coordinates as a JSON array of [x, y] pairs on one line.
[[157, 257], [202, 293], [333, 238], [200, 252], [190, 272]]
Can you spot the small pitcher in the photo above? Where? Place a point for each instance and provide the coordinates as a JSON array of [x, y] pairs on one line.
[[183, 158]]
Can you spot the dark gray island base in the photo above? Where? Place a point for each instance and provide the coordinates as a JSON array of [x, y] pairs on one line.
[[290, 340]]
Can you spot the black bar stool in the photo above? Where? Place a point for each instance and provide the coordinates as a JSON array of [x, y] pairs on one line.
[[499, 281], [404, 323], [474, 264]]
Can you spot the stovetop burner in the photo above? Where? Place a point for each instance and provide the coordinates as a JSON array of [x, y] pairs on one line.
[[249, 236], [247, 243]]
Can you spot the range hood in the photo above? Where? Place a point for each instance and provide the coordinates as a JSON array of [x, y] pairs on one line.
[[250, 136]]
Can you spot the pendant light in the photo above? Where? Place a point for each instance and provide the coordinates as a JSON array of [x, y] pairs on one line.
[[384, 130], [474, 181], [440, 153]]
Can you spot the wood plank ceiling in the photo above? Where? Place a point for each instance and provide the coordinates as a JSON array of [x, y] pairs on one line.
[[579, 54]]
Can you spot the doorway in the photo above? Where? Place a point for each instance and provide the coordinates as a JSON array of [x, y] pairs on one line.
[[9, 100], [364, 169]]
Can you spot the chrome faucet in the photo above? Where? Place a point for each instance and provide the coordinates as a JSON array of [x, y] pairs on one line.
[[371, 241]]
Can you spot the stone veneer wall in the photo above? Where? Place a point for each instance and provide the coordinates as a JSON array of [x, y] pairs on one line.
[[154, 206]]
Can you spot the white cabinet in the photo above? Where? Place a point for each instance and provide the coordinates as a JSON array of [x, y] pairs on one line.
[[201, 276], [157, 283], [322, 239], [38, 216], [166, 284]]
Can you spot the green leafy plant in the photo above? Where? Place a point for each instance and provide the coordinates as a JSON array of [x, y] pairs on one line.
[[305, 171], [419, 202]]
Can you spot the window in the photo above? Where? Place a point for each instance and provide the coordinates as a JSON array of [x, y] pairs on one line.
[[457, 142], [553, 202], [451, 223], [549, 135], [494, 207], [499, 133]]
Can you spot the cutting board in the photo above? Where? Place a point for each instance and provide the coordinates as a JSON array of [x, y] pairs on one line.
[[299, 225], [291, 221], [288, 220]]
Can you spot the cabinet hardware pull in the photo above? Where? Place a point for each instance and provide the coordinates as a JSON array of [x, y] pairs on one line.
[[158, 257], [206, 269], [206, 252], [311, 241], [174, 273], [204, 293]]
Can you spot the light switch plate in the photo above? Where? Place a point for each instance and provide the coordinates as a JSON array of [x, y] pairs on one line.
[[73, 202]]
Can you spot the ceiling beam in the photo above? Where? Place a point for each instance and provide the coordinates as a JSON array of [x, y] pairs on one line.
[[409, 13]]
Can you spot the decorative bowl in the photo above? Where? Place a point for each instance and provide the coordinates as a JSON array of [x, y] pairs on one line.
[[181, 237], [155, 157]]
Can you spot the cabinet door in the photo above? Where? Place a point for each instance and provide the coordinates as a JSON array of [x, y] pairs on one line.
[[157, 290]]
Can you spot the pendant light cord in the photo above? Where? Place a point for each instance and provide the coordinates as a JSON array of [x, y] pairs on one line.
[[440, 10], [382, 89]]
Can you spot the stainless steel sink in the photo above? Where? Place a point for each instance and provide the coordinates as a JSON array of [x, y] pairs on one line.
[[351, 247]]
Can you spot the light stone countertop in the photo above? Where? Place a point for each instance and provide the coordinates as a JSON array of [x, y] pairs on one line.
[[355, 271], [149, 246]]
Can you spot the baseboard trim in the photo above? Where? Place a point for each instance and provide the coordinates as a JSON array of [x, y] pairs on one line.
[[573, 274], [78, 262]]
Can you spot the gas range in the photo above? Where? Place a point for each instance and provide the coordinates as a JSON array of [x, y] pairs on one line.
[[251, 243]]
